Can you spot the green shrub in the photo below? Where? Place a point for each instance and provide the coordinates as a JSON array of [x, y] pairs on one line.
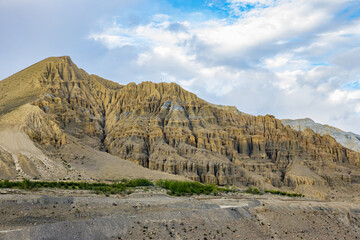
[[284, 193], [5, 184], [141, 182], [26, 184], [181, 188], [253, 191]]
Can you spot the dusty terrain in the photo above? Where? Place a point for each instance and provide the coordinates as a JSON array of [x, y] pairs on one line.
[[50, 214]]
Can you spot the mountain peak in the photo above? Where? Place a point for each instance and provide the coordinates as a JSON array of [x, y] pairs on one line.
[[26, 85], [347, 139], [64, 59]]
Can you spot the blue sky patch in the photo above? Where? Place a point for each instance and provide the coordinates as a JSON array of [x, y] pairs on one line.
[[352, 86], [351, 12], [215, 8], [320, 64], [188, 5]]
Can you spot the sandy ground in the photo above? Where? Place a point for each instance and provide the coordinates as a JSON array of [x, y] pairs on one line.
[[101, 165], [151, 214]]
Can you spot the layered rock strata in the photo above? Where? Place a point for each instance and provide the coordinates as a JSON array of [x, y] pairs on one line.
[[166, 128]]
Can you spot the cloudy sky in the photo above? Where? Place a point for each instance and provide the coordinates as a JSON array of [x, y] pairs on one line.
[[289, 58]]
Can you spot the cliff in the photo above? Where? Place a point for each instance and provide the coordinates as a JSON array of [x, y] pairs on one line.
[[166, 128]]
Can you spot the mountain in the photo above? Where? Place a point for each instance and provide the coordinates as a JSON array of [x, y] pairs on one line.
[[347, 139], [65, 123]]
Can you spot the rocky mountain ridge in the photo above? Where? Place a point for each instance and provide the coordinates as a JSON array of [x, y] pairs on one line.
[[347, 139], [165, 128]]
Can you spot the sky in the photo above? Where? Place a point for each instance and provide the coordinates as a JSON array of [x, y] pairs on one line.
[[289, 58]]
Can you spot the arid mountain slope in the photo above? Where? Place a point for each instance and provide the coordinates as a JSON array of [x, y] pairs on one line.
[[166, 128], [347, 139]]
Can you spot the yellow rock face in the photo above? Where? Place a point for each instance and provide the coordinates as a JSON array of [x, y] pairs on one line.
[[166, 128]]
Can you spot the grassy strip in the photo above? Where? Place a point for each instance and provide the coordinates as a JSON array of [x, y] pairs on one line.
[[284, 193], [180, 188], [107, 189], [140, 182], [253, 191], [176, 188], [258, 192]]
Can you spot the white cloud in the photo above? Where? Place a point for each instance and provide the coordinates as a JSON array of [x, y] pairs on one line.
[[113, 41], [357, 108], [288, 58], [339, 96]]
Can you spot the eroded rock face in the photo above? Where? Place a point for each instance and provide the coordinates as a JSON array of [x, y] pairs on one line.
[[164, 127], [347, 139]]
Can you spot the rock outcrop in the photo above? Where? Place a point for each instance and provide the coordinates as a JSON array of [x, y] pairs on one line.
[[166, 128], [347, 139]]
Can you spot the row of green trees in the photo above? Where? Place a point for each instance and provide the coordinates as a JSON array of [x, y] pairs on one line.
[[181, 188], [284, 193], [176, 188], [114, 188], [252, 190]]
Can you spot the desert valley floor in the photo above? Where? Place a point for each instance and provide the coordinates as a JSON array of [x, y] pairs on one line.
[[151, 214]]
